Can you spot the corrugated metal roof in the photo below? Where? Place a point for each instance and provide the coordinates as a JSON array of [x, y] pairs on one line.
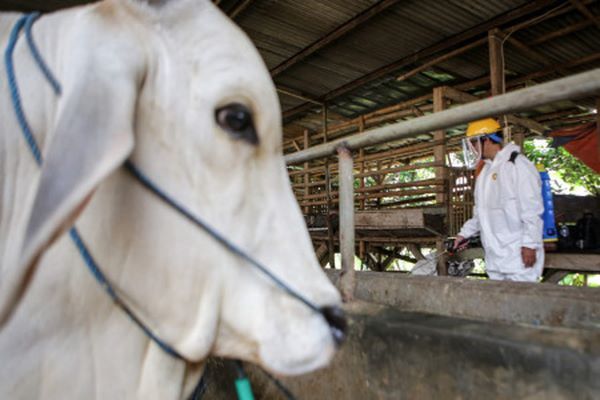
[[282, 28], [401, 31]]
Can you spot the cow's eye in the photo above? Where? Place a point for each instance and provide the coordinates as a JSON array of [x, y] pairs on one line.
[[236, 119]]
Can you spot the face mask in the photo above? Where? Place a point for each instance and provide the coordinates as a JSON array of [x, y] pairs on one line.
[[472, 151]]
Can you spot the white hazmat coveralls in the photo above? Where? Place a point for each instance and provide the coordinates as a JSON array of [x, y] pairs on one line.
[[508, 214]]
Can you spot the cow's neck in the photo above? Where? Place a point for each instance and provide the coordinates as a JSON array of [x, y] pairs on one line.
[[72, 342]]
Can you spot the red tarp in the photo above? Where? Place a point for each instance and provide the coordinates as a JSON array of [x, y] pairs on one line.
[[581, 141]]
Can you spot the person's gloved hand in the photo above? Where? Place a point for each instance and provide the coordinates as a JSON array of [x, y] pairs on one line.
[[528, 256], [460, 243]]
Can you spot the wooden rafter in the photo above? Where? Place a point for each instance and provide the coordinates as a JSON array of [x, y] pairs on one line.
[[239, 8], [440, 47], [563, 31], [584, 10], [334, 35]]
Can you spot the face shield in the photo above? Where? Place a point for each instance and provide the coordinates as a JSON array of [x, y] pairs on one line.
[[472, 151]]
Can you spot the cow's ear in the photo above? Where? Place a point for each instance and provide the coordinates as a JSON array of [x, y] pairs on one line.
[[93, 136]]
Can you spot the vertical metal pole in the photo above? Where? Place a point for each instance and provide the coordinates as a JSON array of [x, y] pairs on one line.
[[330, 243], [346, 197]]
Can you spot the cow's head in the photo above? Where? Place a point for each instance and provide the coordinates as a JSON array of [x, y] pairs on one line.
[[181, 91]]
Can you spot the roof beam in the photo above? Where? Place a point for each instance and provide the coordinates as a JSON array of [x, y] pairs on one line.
[[586, 13], [334, 35], [564, 31], [442, 58], [294, 93], [240, 8], [444, 45]]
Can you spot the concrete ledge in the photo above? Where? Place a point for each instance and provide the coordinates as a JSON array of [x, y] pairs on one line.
[[512, 302], [398, 355]]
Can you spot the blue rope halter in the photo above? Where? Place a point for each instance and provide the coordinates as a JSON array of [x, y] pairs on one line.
[[26, 22]]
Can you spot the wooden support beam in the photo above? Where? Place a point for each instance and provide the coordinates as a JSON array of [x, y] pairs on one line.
[[240, 8], [536, 56], [463, 97], [334, 35], [439, 151], [576, 86], [306, 174], [415, 250], [564, 31], [584, 10], [442, 58], [528, 123], [296, 94], [495, 38], [553, 276], [442, 46]]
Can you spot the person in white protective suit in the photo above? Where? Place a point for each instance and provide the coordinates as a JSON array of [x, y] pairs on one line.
[[508, 205]]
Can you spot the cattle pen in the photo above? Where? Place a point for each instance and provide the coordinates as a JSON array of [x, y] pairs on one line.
[[375, 99]]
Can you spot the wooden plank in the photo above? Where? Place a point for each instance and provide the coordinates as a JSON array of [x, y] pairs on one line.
[[391, 219], [556, 261], [573, 262]]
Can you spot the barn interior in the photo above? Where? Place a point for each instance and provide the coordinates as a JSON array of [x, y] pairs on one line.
[[347, 69]]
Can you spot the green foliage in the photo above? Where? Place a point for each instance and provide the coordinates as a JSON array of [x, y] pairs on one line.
[[572, 172], [573, 280]]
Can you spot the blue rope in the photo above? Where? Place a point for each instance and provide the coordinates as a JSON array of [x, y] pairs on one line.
[[27, 21], [149, 184], [31, 18], [14, 90]]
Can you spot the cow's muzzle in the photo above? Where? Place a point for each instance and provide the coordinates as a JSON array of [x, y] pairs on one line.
[[336, 318]]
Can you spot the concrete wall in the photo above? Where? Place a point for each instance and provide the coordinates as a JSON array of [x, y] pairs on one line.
[[479, 340], [510, 302], [397, 355]]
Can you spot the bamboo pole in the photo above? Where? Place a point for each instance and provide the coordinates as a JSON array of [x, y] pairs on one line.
[[347, 279], [576, 86]]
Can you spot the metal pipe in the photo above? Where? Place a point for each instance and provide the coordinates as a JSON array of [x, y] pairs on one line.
[[346, 196], [585, 84]]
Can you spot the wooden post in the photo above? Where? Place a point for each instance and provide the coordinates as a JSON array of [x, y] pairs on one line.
[[306, 175], [497, 77], [361, 154], [439, 151], [496, 61], [346, 196], [439, 155]]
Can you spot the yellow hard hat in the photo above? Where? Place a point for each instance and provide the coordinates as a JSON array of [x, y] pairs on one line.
[[483, 127]]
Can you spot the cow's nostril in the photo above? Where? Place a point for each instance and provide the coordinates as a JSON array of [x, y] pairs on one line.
[[336, 318]]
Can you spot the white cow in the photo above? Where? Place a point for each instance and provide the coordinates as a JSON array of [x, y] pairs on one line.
[[143, 80]]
